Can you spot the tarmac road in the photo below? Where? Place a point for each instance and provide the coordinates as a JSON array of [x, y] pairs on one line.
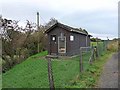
[[109, 76]]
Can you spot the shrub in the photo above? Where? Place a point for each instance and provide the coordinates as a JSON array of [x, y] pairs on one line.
[[112, 46]]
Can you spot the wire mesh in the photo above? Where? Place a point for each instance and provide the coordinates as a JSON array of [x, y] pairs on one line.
[[64, 71], [86, 54], [33, 73]]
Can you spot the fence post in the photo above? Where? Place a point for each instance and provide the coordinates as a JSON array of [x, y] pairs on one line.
[[93, 58], [92, 55], [97, 49], [81, 63], [50, 75], [103, 46]]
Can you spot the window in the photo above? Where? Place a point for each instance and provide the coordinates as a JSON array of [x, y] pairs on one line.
[[53, 37], [71, 38]]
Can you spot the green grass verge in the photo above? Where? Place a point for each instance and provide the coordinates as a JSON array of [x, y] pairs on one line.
[[33, 73], [64, 71], [95, 43], [89, 78], [44, 53]]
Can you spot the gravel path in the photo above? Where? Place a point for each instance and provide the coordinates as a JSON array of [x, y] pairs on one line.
[[109, 76]]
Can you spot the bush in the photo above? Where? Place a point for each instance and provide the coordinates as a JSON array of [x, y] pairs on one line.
[[112, 46], [24, 53]]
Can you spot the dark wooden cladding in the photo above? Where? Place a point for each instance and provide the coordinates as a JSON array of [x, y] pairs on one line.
[[72, 47]]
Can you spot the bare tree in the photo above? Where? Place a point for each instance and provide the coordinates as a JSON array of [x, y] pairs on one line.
[[14, 38], [51, 22]]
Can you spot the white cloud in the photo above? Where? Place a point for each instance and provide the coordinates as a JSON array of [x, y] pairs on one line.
[[63, 7], [69, 11], [69, 5], [104, 36], [77, 4]]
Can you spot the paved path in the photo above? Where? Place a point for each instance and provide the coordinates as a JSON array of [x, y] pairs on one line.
[[109, 76]]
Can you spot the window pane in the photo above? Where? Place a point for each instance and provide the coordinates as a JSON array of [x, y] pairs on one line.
[[62, 43], [71, 38], [53, 38]]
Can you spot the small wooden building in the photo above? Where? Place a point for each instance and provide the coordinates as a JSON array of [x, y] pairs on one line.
[[65, 40]]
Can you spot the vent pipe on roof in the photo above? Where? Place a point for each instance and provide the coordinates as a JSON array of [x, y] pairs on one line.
[[37, 20], [38, 31]]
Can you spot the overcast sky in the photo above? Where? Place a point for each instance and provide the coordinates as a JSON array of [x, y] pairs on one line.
[[98, 17]]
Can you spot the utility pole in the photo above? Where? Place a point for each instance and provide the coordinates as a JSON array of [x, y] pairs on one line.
[[38, 30]]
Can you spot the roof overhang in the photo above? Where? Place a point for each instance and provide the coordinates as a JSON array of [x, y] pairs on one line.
[[74, 30]]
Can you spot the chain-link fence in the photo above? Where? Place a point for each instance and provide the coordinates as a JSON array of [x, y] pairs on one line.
[[40, 72], [32, 73], [96, 50], [67, 69], [64, 69]]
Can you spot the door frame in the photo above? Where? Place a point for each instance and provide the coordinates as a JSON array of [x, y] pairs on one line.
[[59, 45], [51, 43]]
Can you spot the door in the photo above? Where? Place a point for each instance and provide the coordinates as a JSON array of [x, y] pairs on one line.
[[62, 44], [53, 45]]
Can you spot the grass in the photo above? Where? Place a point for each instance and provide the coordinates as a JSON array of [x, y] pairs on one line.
[[95, 43], [64, 71], [44, 53], [89, 78], [32, 73]]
